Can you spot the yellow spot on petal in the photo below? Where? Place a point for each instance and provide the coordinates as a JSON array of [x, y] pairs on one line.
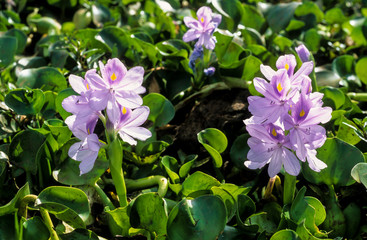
[[286, 66], [113, 77], [87, 86], [202, 19], [124, 110], [279, 87], [88, 131], [274, 132], [302, 113]]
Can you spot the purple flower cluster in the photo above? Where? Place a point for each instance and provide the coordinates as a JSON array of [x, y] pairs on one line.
[[117, 93], [202, 28], [284, 127]]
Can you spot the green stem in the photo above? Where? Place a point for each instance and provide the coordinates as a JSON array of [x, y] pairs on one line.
[[115, 154], [47, 220], [23, 206], [105, 200], [289, 188], [269, 187], [362, 97], [149, 182]]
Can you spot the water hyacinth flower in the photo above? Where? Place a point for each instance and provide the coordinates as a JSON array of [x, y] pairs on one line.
[[129, 125], [209, 71], [202, 28], [285, 126], [117, 86], [303, 53], [197, 53]]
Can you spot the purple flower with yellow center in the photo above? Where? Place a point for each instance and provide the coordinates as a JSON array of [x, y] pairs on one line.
[[202, 28], [269, 145], [129, 124], [118, 86], [276, 99], [303, 126]]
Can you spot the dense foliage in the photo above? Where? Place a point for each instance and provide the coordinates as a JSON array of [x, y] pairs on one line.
[[188, 179]]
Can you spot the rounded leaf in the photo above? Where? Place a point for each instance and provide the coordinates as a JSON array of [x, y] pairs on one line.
[[24, 101], [215, 142], [161, 109], [8, 47], [201, 218]]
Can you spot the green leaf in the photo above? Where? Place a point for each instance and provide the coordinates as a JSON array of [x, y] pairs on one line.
[[334, 94], [295, 25], [361, 69], [35, 229], [24, 155], [8, 48], [245, 208], [195, 219], [9, 228], [21, 39], [215, 142], [312, 39], [44, 78], [161, 109], [198, 181], [100, 14], [13, 205], [348, 131], [359, 173], [79, 234], [285, 234], [68, 172], [232, 12], [344, 65], [252, 18], [282, 42], [185, 168], [171, 166], [45, 25], [239, 150], [58, 101], [25, 102], [149, 153], [68, 204], [308, 7], [149, 212], [340, 157], [335, 15], [279, 15], [119, 221], [352, 215]]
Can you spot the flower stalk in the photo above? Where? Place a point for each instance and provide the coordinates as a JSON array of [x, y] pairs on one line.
[[289, 188]]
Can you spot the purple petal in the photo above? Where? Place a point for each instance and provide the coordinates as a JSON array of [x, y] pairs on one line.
[[291, 163], [305, 69], [95, 81], [137, 132], [216, 19], [317, 115], [287, 62], [126, 138], [138, 117], [77, 83], [204, 15], [129, 99], [113, 110], [114, 71], [267, 71], [98, 100], [87, 165], [132, 80], [303, 53], [191, 23], [313, 162], [275, 162], [191, 35]]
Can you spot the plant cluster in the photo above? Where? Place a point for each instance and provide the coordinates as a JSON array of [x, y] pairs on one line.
[[168, 119]]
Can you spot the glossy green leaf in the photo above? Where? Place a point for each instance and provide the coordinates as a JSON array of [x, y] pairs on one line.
[[24, 101], [348, 132], [231, 11], [245, 207], [149, 212], [68, 204], [295, 25], [352, 215], [185, 168], [22, 154], [359, 173], [279, 15], [344, 65], [171, 166], [149, 153], [100, 14], [45, 25], [312, 39], [8, 48], [285, 234], [195, 219], [239, 150], [215, 142], [198, 181], [361, 69], [335, 95], [35, 229], [252, 18], [308, 7], [21, 39], [44, 78], [13, 205], [63, 3], [282, 42], [334, 15], [119, 221], [8, 226], [340, 158], [161, 109], [79, 234]]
